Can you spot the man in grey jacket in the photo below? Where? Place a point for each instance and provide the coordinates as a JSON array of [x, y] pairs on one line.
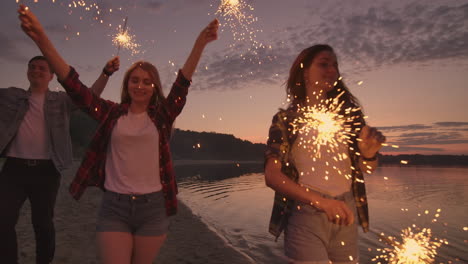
[[35, 139]]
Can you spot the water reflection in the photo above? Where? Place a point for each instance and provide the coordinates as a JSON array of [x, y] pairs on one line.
[[235, 201], [209, 180]]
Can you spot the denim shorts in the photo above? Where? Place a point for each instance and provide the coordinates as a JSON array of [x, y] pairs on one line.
[[309, 236], [141, 215]]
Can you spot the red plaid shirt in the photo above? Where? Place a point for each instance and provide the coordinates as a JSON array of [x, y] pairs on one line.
[[92, 169]]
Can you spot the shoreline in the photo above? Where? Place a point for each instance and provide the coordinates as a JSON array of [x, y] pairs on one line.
[[189, 240]]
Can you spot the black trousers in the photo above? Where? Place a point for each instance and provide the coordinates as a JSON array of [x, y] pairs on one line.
[[38, 181]]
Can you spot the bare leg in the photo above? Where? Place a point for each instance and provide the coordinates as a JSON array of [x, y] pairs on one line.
[[146, 248], [115, 247]]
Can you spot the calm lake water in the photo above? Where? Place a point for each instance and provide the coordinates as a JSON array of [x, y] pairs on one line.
[[233, 199]]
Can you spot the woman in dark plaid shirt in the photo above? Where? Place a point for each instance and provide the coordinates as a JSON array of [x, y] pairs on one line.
[[320, 194], [129, 156]]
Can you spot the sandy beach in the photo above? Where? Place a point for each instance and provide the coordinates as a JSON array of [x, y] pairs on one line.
[[189, 239]]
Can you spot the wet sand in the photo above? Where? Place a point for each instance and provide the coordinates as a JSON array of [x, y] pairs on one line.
[[189, 239]]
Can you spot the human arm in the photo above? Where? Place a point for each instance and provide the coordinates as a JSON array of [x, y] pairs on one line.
[[111, 66], [208, 34], [81, 96], [369, 142], [279, 182], [275, 178], [33, 28], [177, 96]]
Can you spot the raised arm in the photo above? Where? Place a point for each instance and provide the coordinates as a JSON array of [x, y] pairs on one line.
[[177, 96], [81, 96], [209, 33], [111, 66], [33, 28]]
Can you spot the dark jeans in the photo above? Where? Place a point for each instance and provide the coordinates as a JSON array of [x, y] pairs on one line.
[[39, 182]]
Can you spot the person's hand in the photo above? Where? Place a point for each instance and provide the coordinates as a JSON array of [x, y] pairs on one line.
[[370, 141], [112, 66], [337, 211], [29, 23], [209, 33]]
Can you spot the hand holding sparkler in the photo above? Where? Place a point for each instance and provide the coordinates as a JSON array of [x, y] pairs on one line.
[[111, 66], [30, 24], [124, 39], [370, 141], [208, 34], [33, 28]]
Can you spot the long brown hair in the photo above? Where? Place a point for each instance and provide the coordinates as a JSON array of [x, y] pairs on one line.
[[153, 72], [296, 85]]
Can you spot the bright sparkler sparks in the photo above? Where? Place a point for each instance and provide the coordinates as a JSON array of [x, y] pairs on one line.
[[415, 248], [236, 15], [126, 40], [329, 127]]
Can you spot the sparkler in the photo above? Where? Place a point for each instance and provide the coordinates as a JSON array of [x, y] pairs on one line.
[[123, 37], [236, 15], [125, 40], [416, 248], [330, 128]]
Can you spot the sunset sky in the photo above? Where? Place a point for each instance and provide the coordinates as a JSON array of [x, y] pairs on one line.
[[411, 57]]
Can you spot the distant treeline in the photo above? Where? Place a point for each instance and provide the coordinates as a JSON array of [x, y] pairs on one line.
[[191, 145], [427, 160], [185, 145]]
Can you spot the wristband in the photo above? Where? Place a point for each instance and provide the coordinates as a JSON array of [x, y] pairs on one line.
[[106, 72], [373, 158]]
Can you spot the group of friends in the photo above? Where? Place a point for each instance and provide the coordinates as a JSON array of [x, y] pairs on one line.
[[130, 160]]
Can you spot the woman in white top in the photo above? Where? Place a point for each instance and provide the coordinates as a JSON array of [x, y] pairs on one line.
[[318, 177], [129, 155]]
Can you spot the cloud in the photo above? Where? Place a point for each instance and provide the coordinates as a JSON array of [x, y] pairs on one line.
[[263, 66], [404, 128], [88, 68], [390, 35], [9, 50], [154, 6], [370, 36], [422, 134], [437, 134], [451, 124], [443, 138], [412, 149]]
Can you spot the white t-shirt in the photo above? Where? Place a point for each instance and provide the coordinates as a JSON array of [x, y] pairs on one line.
[[326, 169], [31, 141], [132, 163]]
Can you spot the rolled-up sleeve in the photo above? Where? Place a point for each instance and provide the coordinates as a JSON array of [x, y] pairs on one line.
[[275, 139], [83, 98]]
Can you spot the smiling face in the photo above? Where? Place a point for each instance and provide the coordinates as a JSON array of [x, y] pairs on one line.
[[39, 73], [322, 72], [140, 86]]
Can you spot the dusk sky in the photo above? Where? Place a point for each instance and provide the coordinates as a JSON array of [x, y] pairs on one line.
[[406, 61]]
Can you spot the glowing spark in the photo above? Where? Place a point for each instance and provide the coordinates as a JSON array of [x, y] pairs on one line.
[[415, 248], [325, 124], [236, 15], [126, 40], [403, 161]]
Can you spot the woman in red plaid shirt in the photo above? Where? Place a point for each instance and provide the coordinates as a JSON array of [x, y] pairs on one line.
[[129, 156]]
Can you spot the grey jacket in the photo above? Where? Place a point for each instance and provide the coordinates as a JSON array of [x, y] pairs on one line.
[[14, 104]]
